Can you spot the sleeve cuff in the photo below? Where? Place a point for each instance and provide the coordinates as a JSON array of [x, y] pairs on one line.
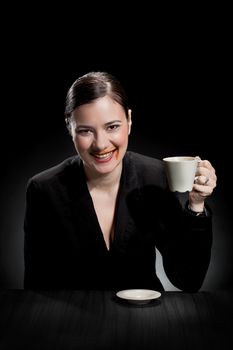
[[204, 213]]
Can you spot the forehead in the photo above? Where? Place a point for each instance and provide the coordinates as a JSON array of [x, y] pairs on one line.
[[103, 109]]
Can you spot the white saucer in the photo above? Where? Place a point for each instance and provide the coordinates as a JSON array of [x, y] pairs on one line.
[[138, 296]]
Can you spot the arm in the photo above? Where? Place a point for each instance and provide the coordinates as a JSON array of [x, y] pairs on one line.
[[186, 250], [36, 239], [186, 255]]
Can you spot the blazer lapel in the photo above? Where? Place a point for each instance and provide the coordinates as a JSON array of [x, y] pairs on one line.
[[123, 220], [81, 210]]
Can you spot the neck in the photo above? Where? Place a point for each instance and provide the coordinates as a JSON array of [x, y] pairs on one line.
[[104, 181]]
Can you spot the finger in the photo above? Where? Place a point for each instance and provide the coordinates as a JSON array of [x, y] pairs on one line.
[[201, 171], [203, 190], [205, 181], [208, 172], [202, 180], [206, 186], [205, 163]]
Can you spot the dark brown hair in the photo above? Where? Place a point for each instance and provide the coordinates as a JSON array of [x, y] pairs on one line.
[[91, 86]]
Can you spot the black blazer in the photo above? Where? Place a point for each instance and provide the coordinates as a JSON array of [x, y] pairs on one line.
[[64, 246]]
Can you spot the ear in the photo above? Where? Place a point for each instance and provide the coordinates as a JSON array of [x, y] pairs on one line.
[[129, 120], [71, 127], [68, 125]]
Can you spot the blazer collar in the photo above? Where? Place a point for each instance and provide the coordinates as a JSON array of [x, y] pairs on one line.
[[128, 186], [82, 208]]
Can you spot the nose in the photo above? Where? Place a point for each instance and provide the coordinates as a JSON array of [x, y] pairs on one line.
[[100, 141]]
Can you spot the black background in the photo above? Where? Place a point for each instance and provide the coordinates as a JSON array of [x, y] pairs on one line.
[[177, 73]]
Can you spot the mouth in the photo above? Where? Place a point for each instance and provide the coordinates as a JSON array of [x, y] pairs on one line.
[[104, 156]]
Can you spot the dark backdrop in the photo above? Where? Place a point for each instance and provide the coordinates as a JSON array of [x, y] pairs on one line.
[[177, 83]]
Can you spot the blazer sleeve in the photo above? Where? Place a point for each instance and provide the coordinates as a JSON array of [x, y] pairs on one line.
[[184, 240], [185, 245], [37, 244]]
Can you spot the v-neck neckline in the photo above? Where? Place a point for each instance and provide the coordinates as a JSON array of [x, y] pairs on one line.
[[82, 202], [100, 235]]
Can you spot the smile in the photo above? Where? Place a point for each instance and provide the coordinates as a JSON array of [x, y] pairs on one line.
[[104, 156]]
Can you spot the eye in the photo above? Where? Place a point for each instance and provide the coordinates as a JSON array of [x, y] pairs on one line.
[[113, 127], [84, 132]]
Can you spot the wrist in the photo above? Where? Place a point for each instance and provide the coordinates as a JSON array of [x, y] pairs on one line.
[[202, 211], [197, 208]]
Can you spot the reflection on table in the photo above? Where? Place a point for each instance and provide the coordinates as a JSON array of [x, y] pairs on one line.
[[99, 320]]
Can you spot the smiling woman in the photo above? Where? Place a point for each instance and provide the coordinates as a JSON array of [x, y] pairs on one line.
[[100, 132], [94, 220]]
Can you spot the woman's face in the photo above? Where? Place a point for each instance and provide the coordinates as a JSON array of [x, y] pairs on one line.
[[100, 134]]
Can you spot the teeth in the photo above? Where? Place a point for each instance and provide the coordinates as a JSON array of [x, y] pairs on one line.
[[102, 156]]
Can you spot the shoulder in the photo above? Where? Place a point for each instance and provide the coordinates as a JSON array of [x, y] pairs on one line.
[[143, 161], [56, 173], [148, 169]]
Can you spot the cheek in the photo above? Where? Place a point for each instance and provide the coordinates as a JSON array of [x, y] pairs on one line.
[[122, 138], [81, 144]]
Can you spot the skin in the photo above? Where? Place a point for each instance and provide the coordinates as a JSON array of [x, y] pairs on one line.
[[204, 185], [100, 132]]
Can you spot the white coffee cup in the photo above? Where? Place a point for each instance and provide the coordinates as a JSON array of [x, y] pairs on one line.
[[180, 172]]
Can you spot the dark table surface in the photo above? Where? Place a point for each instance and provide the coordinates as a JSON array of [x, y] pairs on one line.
[[98, 320]]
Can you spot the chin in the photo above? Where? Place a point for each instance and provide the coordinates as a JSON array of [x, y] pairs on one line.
[[106, 168]]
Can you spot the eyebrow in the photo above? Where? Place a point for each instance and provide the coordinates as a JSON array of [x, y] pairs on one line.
[[113, 121], [106, 124]]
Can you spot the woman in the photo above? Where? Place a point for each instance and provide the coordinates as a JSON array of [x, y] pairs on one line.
[[94, 220]]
